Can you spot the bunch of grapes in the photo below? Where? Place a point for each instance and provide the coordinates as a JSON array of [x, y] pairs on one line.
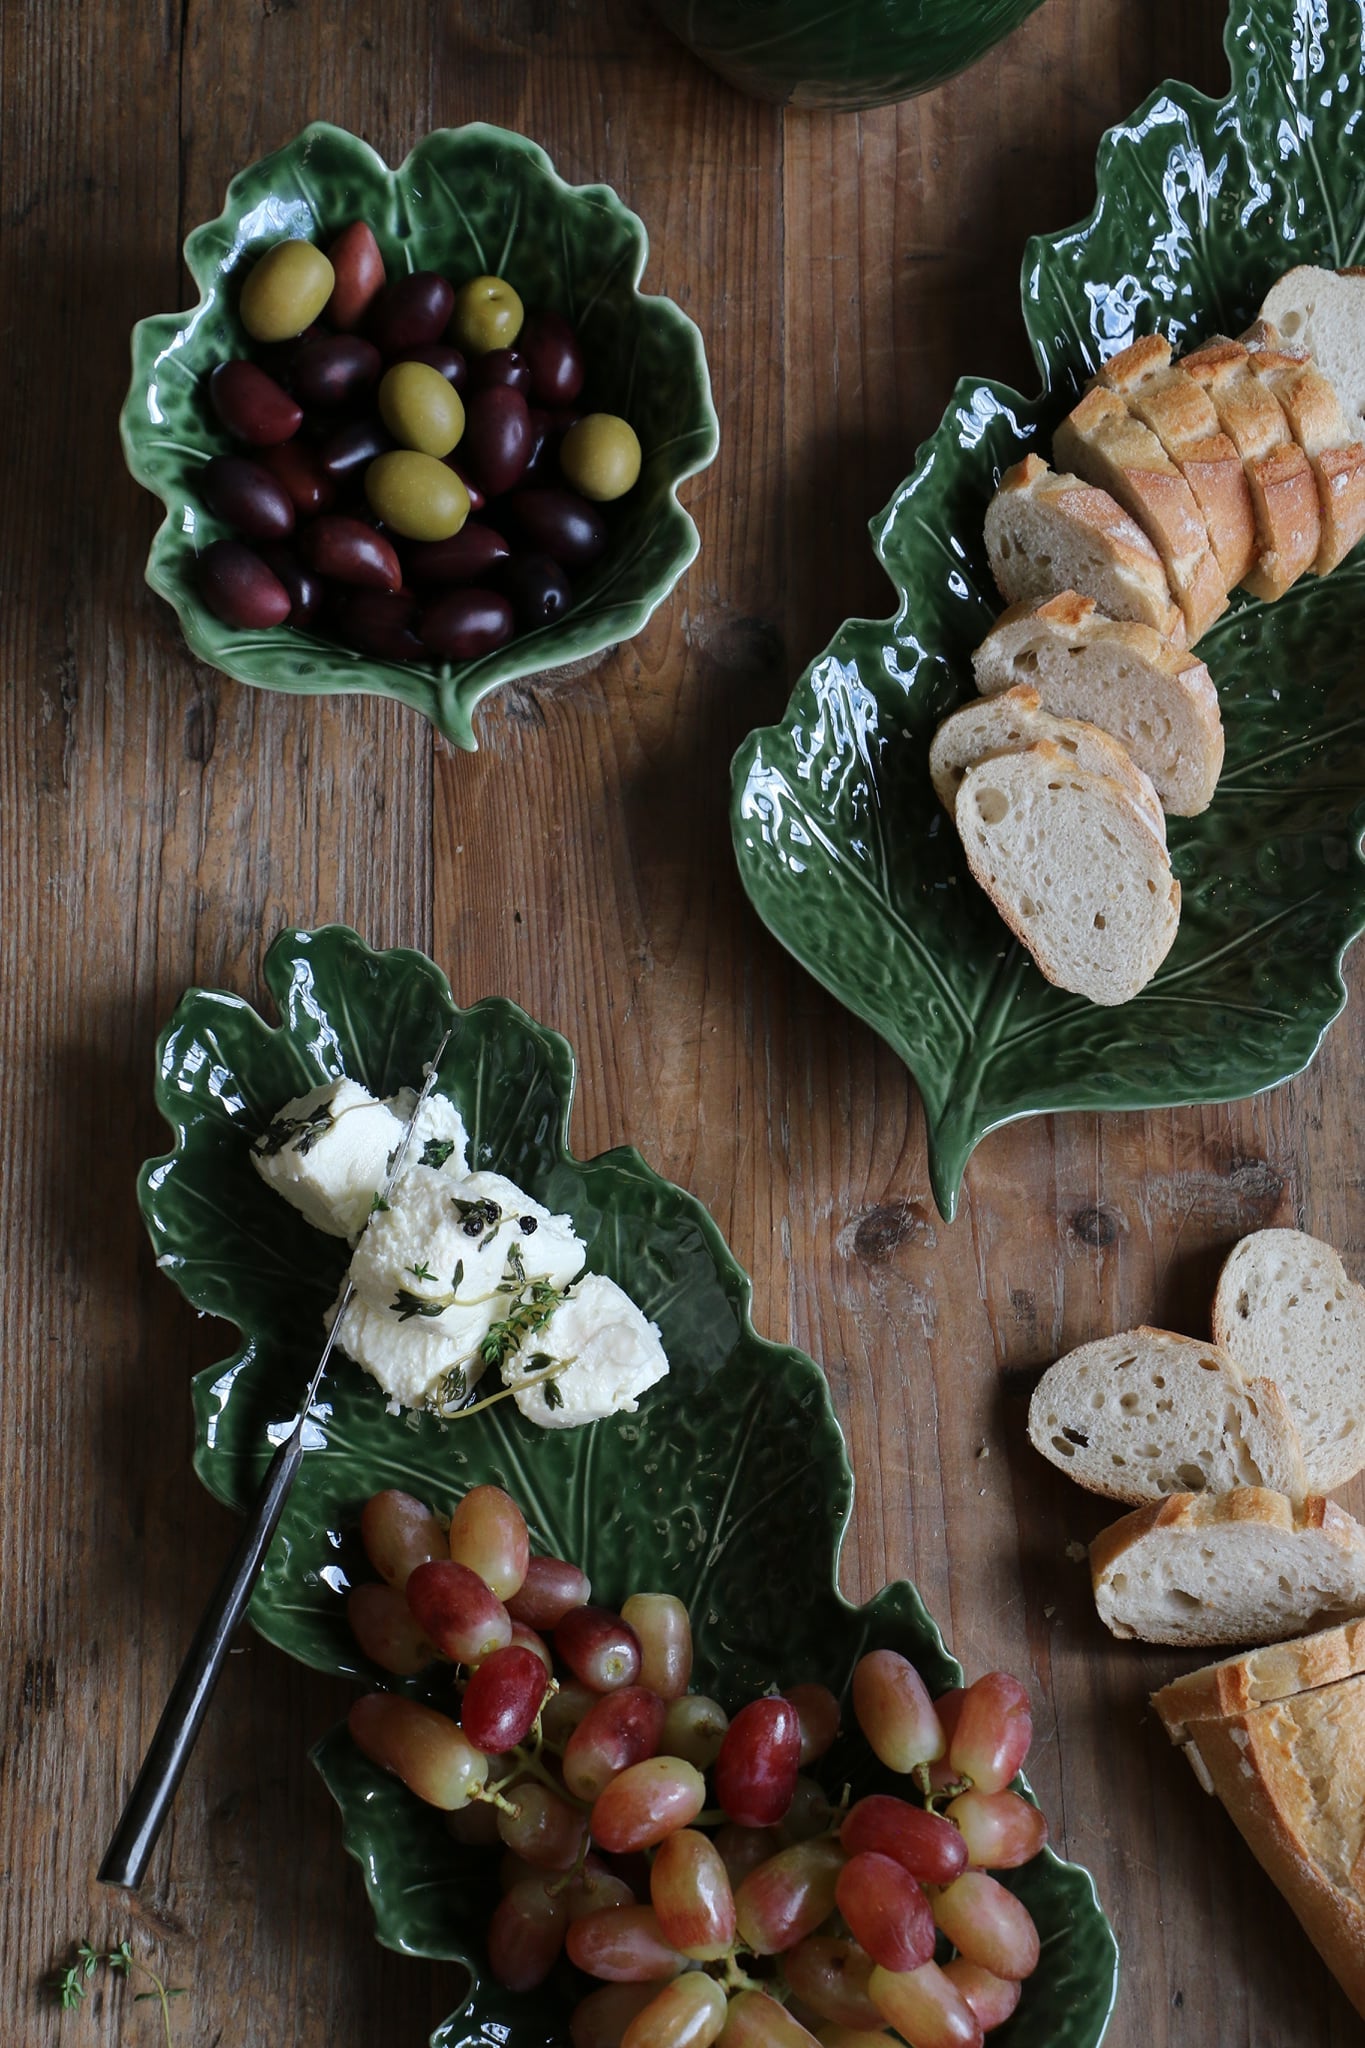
[[755, 1913]]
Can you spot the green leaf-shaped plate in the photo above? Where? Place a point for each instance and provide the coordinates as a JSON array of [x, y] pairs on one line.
[[729, 1488], [843, 847], [467, 201]]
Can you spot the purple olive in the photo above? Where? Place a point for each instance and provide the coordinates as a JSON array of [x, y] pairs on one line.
[[538, 588], [298, 468], [439, 355], [497, 438], [348, 551], [501, 366], [239, 589], [248, 497], [411, 313], [349, 450], [463, 624], [252, 406], [306, 591], [467, 557], [378, 622], [560, 524], [477, 497], [334, 368], [554, 358]]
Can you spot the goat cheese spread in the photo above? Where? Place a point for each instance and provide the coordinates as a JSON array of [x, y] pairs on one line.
[[457, 1271]]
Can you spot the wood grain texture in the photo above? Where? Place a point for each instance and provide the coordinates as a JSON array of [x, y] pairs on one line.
[[161, 823]]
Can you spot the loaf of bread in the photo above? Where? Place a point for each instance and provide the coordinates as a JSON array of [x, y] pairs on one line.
[[1156, 699], [1286, 1309], [1279, 1736]]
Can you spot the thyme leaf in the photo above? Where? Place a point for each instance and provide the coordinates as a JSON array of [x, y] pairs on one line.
[[302, 1132], [405, 1305], [436, 1151]]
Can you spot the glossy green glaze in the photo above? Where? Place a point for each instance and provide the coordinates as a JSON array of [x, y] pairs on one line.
[[467, 201], [841, 843], [863, 53], [729, 1488]]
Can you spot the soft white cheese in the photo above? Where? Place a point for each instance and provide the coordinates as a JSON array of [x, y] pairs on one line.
[[327, 1153], [440, 1124], [547, 1245], [410, 1358], [610, 1351]]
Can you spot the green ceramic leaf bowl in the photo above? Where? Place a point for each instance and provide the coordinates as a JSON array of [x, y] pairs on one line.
[[863, 53], [467, 201], [841, 844], [730, 1487]]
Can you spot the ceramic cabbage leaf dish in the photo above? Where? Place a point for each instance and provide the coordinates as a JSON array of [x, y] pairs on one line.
[[842, 845], [467, 201], [730, 1487]]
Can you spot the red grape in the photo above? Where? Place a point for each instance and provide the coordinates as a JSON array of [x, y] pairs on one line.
[[564, 1710], [810, 1813], [624, 1944], [988, 1925], [694, 1728], [544, 1830], [525, 1935], [620, 1728], [600, 1649], [1001, 1829], [382, 1624], [787, 1897], [458, 1612], [830, 1977], [757, 2021], [664, 1632], [502, 1699], [600, 2020], [991, 1998], [423, 1748], [646, 1802], [925, 2007], [488, 1533], [551, 1586], [993, 1732], [688, 2013], [926, 1845], [887, 1912], [743, 1849], [597, 1889], [895, 1711], [691, 1894], [818, 1712], [527, 1639], [476, 1826], [756, 1769]]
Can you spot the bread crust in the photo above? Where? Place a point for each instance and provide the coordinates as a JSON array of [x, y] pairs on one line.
[[1283, 491], [1088, 745], [1313, 411], [1252, 1678]]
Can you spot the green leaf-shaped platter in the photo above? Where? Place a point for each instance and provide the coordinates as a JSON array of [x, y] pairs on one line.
[[730, 1487], [467, 201], [843, 848]]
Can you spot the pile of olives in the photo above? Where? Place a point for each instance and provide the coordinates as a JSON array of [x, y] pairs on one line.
[[381, 420]]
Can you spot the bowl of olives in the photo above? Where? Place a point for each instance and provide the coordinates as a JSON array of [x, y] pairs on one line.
[[423, 433]]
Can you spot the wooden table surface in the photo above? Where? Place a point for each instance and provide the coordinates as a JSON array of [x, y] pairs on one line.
[[161, 823]]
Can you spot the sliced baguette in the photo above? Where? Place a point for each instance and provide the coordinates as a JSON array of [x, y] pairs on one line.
[[1182, 416], [1283, 493], [1074, 868], [1322, 312], [1285, 1307], [1311, 406], [1291, 1773], [1154, 698], [1256, 1678], [1005, 725], [1241, 1567], [1046, 533], [1103, 442], [1145, 1414]]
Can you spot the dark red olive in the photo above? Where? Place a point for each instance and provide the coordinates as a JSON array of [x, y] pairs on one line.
[[467, 557], [496, 444], [239, 589], [477, 498], [558, 523], [334, 368], [248, 497], [501, 366], [538, 588], [554, 358], [463, 624], [359, 266], [378, 622], [348, 551], [412, 312], [252, 406], [350, 449], [439, 355], [299, 469], [306, 591]]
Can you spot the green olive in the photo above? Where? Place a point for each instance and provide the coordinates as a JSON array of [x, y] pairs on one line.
[[420, 408], [416, 495], [285, 291], [488, 315], [600, 456]]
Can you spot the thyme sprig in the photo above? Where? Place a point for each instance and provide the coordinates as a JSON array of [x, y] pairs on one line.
[[71, 1985]]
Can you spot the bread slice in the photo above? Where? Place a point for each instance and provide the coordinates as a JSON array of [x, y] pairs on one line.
[[1241, 1567], [1283, 493], [1154, 698], [1147, 1413], [1074, 868], [1005, 725], [1310, 405], [1046, 533], [1102, 441], [1285, 1307], [1322, 312], [1182, 416], [1290, 1769], [1256, 1678]]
